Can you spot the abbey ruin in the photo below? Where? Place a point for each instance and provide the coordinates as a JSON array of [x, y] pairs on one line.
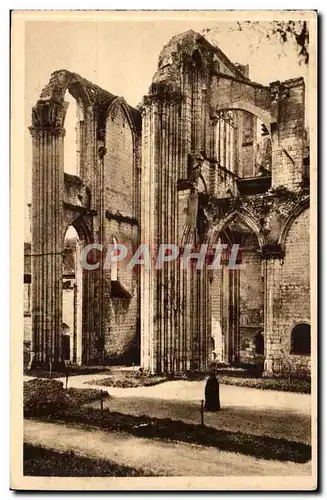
[[208, 157]]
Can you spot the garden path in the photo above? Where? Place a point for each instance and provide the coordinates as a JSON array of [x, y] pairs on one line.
[[159, 457]]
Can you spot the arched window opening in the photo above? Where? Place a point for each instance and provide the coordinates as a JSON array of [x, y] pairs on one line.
[[242, 146], [242, 290], [72, 143], [118, 290], [65, 340], [301, 339], [263, 156], [72, 277], [226, 137], [114, 263], [213, 349], [259, 344], [212, 344], [197, 59]]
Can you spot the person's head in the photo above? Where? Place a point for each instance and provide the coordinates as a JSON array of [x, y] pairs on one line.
[[213, 373]]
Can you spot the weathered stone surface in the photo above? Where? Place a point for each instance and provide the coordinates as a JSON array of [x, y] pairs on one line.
[[189, 167]]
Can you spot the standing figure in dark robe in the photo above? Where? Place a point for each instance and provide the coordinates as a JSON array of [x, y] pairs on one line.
[[212, 400]]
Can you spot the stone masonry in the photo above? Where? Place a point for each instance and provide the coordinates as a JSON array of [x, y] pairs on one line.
[[209, 157]]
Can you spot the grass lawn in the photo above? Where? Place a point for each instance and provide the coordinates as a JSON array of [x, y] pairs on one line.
[[266, 447], [40, 461], [48, 400]]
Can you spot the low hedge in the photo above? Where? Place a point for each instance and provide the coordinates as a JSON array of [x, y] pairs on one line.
[[133, 379], [72, 371], [275, 384], [129, 379], [49, 398]]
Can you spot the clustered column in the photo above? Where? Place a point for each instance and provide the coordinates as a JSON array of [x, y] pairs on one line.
[[47, 232]]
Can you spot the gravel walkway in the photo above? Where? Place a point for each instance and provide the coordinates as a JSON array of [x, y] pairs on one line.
[[161, 458]]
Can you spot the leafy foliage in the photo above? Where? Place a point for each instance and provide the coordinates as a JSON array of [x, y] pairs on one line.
[[284, 31]]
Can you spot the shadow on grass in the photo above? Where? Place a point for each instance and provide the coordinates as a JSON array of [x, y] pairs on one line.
[[263, 447], [40, 461]]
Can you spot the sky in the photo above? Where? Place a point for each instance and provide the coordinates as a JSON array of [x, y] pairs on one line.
[[122, 56]]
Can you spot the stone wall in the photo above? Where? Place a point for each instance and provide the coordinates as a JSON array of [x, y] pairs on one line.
[[121, 299], [294, 289], [119, 167], [251, 305]]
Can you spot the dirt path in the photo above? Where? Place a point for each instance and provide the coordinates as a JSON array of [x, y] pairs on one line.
[[162, 458]]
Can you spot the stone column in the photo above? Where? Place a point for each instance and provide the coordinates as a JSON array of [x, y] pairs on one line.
[[47, 232], [272, 271], [151, 149]]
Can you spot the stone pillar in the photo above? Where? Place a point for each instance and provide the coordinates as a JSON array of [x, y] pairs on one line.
[[225, 314], [150, 158], [162, 154], [47, 232], [272, 272], [214, 155]]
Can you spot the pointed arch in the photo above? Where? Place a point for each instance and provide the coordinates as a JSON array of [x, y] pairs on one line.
[[245, 217], [199, 61], [51, 107], [262, 114], [299, 208], [81, 227], [120, 101], [61, 81], [80, 88]]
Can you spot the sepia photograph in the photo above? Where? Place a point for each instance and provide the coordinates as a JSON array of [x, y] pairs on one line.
[[164, 250]]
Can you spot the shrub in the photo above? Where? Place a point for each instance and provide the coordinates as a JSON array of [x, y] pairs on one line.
[[44, 397], [128, 380], [275, 384]]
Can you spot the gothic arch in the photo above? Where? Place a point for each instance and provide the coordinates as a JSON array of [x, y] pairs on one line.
[[301, 207], [120, 101], [199, 62], [81, 227], [50, 109], [256, 98], [80, 88], [249, 107], [244, 216]]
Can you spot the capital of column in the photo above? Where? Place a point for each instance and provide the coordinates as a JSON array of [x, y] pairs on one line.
[[51, 131], [162, 92], [272, 250], [49, 115], [214, 120]]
